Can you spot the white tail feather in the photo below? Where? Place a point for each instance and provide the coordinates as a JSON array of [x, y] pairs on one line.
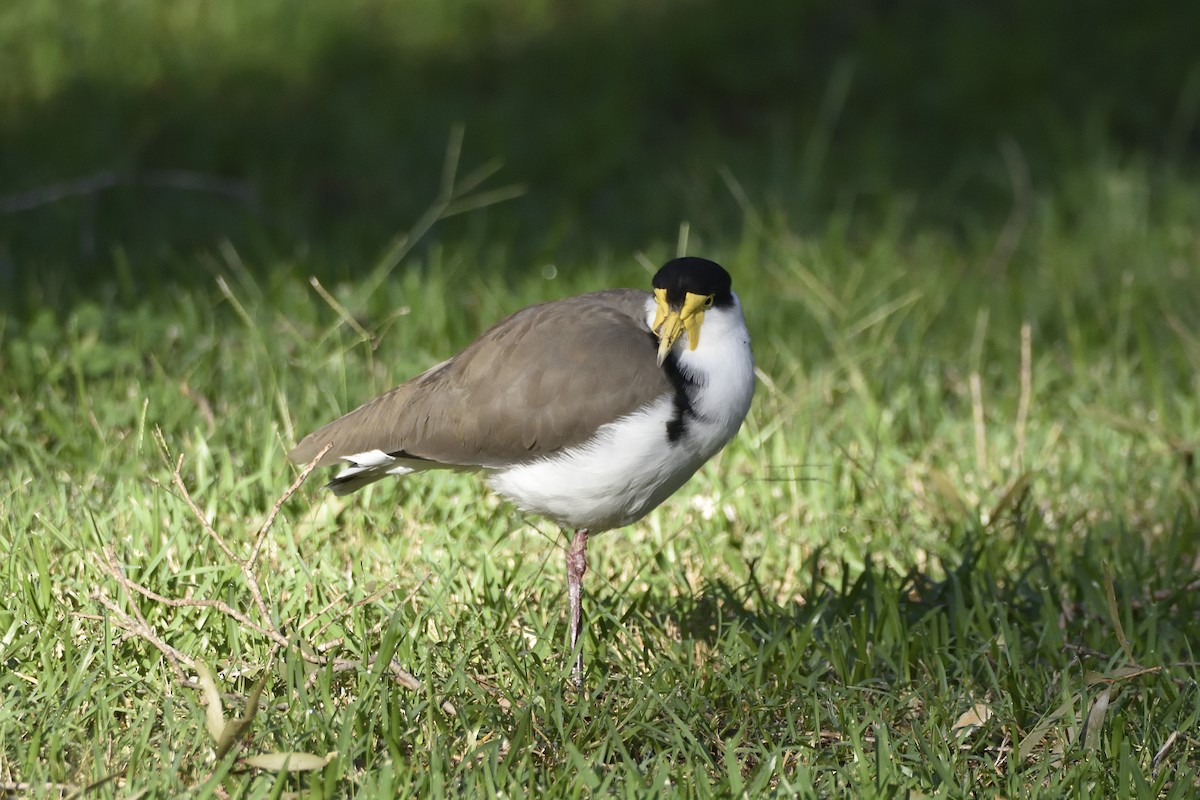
[[366, 468]]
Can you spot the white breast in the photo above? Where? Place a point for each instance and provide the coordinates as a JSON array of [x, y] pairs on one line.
[[723, 364]]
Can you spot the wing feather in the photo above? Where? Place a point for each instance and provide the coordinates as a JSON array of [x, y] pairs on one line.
[[539, 381]]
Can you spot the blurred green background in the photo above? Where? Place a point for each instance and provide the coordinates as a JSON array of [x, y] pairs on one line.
[[316, 130], [966, 235]]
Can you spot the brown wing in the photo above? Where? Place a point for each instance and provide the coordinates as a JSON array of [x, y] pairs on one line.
[[541, 380]]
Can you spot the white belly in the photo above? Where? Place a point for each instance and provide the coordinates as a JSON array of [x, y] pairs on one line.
[[618, 476]]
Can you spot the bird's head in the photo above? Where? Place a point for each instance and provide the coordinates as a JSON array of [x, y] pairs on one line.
[[683, 290]]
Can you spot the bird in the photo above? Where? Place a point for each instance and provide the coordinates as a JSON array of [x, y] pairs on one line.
[[589, 411]]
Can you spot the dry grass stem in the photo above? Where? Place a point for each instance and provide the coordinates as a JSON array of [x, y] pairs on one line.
[[135, 624], [1026, 393]]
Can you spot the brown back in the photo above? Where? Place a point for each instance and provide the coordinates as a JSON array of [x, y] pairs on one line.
[[538, 381]]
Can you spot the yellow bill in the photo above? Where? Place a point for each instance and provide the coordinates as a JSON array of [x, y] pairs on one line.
[[670, 324]]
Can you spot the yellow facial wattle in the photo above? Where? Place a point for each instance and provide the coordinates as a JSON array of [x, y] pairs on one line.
[[670, 324]]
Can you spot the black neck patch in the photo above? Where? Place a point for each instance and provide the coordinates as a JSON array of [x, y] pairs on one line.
[[679, 276], [677, 424]]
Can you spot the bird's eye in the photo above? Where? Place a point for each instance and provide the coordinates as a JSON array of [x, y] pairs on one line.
[[708, 301]]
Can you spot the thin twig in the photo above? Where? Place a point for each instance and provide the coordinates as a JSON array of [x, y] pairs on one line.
[[238, 308], [340, 310], [142, 631], [111, 179], [1026, 392], [1166, 594], [1084, 650], [54, 192], [249, 563], [138, 626], [322, 612], [9, 787], [976, 385], [1162, 751], [383, 592], [980, 423], [1022, 207], [248, 574], [177, 480], [399, 674], [114, 569]]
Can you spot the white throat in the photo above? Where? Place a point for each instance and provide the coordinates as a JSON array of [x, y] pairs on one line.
[[722, 365]]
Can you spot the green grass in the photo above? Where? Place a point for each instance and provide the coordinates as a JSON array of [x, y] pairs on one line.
[[880, 550], [967, 484]]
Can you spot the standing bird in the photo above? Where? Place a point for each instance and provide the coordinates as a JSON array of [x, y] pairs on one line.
[[589, 411]]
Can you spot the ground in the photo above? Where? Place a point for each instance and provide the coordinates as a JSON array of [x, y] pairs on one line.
[[954, 549]]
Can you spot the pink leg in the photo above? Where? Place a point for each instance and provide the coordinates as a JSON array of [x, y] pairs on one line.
[[576, 567]]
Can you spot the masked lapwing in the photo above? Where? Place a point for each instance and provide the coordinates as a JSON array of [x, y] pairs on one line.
[[589, 411]]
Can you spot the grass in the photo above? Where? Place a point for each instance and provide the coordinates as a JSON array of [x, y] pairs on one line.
[[906, 530], [953, 551]]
